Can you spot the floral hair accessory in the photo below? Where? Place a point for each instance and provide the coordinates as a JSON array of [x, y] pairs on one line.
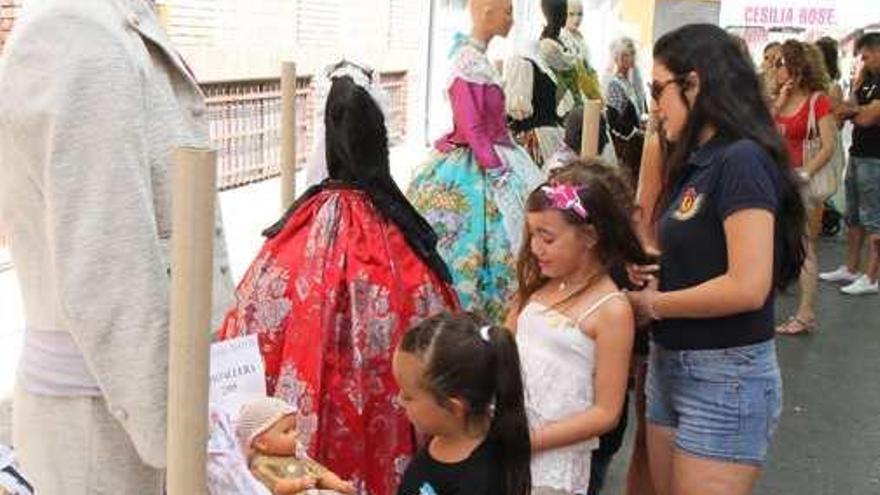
[[565, 197]]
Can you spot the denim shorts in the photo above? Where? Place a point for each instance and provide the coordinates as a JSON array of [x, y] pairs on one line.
[[862, 185], [723, 404]]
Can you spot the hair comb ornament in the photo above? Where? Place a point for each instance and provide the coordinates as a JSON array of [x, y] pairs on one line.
[[565, 197]]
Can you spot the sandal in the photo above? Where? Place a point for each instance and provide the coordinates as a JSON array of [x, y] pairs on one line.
[[796, 326]]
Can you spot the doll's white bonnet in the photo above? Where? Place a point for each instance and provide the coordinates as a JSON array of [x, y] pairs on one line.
[[257, 416]]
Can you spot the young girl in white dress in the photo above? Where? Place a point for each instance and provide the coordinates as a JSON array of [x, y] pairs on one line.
[[574, 327]]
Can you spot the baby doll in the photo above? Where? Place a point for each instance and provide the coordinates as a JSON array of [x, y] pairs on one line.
[[266, 429]]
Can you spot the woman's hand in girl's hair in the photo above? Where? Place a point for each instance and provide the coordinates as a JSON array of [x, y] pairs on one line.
[[643, 300], [642, 275]]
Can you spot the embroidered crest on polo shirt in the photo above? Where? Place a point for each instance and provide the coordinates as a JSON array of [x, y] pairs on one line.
[[689, 205]]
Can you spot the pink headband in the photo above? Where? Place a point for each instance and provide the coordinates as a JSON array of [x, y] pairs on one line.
[[565, 197]]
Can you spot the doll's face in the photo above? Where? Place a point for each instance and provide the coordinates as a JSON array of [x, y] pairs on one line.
[[280, 439]]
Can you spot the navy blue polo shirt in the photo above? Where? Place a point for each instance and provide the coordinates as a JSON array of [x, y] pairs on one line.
[[721, 178]]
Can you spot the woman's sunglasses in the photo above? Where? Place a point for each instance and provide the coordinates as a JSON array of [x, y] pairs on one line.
[[656, 88]]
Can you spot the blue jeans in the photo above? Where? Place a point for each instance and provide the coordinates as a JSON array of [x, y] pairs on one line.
[[723, 404]]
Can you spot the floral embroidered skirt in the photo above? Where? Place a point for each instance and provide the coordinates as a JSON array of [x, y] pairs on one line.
[[330, 297], [479, 218]]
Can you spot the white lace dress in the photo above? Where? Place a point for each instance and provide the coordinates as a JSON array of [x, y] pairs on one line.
[[559, 363]]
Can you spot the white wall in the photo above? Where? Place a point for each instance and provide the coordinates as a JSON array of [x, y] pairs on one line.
[[228, 39]]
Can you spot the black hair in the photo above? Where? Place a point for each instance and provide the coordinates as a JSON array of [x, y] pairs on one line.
[[868, 40], [730, 99], [357, 155], [608, 199], [465, 358], [556, 13], [574, 125], [828, 47]]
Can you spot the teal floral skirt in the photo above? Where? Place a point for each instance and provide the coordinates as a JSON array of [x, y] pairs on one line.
[[479, 216]]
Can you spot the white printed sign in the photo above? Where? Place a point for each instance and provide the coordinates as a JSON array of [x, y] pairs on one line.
[[237, 373]]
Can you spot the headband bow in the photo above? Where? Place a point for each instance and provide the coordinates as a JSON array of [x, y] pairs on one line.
[[565, 197]]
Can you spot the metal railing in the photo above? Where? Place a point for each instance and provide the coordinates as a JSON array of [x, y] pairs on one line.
[[245, 124]]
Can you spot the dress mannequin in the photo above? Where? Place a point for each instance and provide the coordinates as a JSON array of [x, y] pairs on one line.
[[342, 275], [573, 39], [544, 86], [473, 188]]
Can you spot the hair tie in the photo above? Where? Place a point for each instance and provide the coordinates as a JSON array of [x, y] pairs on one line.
[[484, 333]]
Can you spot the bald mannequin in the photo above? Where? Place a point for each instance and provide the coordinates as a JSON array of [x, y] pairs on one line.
[[490, 18]]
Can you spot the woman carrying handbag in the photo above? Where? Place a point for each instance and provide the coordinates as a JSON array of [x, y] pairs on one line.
[[803, 116]]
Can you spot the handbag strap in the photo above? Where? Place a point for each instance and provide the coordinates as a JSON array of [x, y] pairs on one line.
[[812, 128]]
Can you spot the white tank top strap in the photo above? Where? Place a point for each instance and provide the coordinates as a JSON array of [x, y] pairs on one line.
[[595, 307]]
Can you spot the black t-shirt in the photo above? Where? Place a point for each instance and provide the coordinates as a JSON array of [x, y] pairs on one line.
[[479, 474], [722, 178], [866, 140]]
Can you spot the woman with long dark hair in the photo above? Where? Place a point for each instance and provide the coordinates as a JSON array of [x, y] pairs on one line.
[[346, 271], [730, 229]]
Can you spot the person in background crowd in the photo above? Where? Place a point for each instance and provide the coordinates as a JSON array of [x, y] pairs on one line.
[[729, 195], [772, 52], [802, 80], [626, 108], [862, 181], [828, 48]]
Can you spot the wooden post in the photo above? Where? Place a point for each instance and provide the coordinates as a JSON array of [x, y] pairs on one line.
[[590, 130], [192, 247], [288, 134]]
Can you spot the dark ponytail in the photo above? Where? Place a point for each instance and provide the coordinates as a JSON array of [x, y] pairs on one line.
[[556, 13], [509, 430], [466, 358]]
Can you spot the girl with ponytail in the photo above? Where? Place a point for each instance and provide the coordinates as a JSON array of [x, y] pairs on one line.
[[461, 386]]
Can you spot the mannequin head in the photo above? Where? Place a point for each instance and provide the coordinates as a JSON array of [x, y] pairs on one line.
[[491, 18], [555, 12], [575, 15]]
